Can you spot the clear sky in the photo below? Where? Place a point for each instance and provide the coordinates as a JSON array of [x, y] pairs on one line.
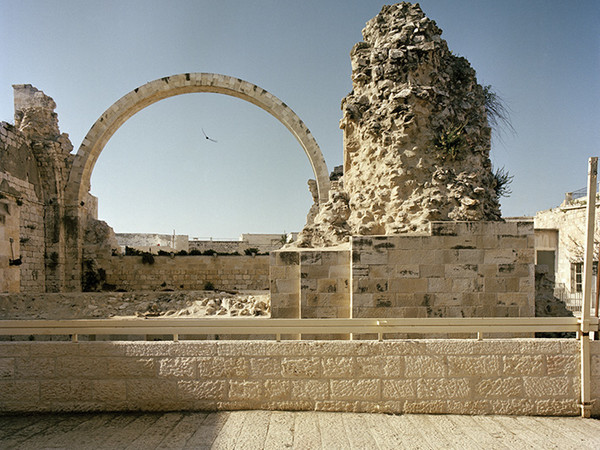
[[159, 174]]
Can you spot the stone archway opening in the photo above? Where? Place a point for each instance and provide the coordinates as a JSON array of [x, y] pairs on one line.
[[154, 91], [158, 173], [78, 185]]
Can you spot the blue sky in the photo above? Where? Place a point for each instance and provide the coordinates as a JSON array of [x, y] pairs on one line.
[[159, 174]]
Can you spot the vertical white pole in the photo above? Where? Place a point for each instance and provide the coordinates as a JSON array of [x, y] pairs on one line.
[[587, 288]]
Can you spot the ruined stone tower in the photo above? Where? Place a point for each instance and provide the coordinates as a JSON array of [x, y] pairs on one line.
[[416, 136]]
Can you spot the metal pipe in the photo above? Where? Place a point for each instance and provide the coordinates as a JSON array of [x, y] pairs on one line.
[[587, 288]]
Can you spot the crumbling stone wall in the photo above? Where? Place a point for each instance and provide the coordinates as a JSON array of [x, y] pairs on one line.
[[416, 136], [35, 159], [21, 190]]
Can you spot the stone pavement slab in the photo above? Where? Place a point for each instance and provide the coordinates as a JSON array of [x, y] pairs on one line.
[[298, 430]]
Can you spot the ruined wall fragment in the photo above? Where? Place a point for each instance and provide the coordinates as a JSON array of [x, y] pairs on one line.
[[416, 136]]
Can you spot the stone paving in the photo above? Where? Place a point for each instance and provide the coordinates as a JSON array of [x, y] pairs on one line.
[[299, 430]]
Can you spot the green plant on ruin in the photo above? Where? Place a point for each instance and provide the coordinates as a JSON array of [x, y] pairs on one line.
[[209, 286], [450, 142], [147, 258], [92, 277], [502, 182], [498, 114], [251, 251], [52, 261]]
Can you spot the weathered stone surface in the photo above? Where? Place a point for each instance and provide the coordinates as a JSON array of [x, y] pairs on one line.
[[416, 136], [482, 377]]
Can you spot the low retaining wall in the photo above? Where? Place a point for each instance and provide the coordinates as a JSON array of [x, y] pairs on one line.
[[188, 272], [520, 376]]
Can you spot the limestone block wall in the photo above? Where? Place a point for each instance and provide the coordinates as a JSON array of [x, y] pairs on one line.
[[188, 272], [219, 246], [324, 283], [10, 275], [20, 186], [459, 269], [462, 269], [521, 376], [284, 284]]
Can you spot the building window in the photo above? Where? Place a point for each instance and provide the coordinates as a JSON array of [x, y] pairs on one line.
[[577, 276]]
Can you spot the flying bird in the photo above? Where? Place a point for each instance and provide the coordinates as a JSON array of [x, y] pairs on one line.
[[212, 140]]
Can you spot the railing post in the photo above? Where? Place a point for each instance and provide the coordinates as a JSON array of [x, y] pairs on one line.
[[584, 335]]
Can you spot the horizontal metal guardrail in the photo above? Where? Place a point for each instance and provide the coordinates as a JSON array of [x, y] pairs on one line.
[[278, 327]]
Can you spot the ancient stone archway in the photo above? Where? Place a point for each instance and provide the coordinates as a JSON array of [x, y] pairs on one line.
[[153, 91]]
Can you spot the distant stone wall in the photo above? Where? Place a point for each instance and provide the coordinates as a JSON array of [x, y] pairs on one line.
[[153, 242], [187, 272], [520, 377], [461, 269]]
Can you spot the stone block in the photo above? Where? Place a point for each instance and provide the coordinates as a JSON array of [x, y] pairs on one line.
[[408, 285], [562, 364], [355, 389], [373, 257], [544, 387], [379, 366], [7, 368], [426, 407], [505, 387], [432, 271], [223, 367], [291, 286], [131, 367], [38, 368], [513, 407], [517, 365], [406, 271], [568, 407], [481, 366], [276, 389], [398, 389], [312, 390], [82, 367], [268, 367], [301, 367], [177, 367], [446, 388], [110, 392], [22, 392], [338, 366], [64, 391], [202, 390], [245, 390], [461, 270], [419, 366]]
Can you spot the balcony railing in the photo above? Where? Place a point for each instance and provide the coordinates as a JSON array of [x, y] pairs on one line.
[[286, 327]]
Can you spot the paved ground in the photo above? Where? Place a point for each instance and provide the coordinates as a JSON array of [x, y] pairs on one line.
[[302, 430]]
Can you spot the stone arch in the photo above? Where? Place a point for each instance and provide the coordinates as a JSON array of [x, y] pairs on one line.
[[153, 91]]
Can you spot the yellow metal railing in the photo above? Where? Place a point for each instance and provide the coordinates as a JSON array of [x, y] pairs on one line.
[[278, 327]]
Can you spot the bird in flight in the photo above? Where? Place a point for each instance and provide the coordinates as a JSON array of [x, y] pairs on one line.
[[212, 140]]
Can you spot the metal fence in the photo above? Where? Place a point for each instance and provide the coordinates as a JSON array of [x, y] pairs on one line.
[[286, 327]]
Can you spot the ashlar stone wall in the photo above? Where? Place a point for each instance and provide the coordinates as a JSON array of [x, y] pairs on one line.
[[458, 269], [519, 376], [187, 272], [21, 192]]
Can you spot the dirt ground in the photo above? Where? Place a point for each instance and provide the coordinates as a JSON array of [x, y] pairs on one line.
[[103, 305]]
